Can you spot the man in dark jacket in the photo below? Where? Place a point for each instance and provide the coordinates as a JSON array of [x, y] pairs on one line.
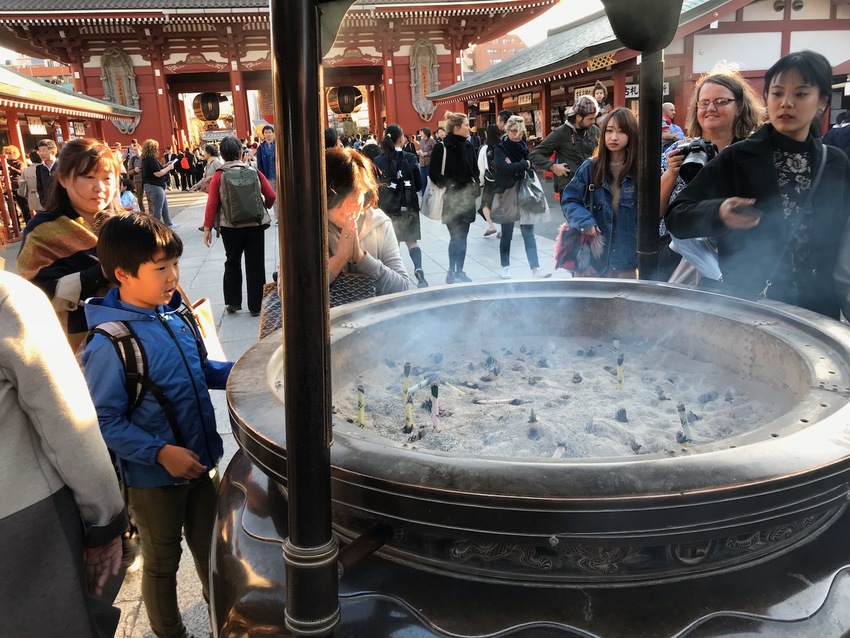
[[44, 172], [171, 155], [573, 142], [839, 135]]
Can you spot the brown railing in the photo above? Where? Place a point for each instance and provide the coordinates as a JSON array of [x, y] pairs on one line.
[[8, 206]]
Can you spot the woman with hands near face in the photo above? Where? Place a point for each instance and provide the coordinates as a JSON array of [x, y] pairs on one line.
[[361, 238]]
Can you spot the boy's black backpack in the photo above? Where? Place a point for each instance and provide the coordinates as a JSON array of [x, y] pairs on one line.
[[135, 363], [396, 192], [241, 195]]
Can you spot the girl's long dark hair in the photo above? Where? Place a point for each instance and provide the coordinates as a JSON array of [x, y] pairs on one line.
[[392, 136], [492, 135], [601, 169]]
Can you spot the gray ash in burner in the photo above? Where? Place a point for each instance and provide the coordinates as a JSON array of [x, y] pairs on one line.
[[486, 397]]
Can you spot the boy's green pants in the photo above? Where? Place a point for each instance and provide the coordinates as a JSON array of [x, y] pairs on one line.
[[162, 515]]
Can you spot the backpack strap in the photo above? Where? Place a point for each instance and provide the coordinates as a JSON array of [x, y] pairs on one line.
[[132, 356], [188, 316]]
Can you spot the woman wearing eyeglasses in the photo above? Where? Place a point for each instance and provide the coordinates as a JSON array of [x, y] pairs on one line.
[[778, 202], [724, 109]]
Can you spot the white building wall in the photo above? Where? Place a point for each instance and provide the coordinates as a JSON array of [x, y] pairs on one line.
[[748, 51], [762, 10], [832, 44], [812, 10]]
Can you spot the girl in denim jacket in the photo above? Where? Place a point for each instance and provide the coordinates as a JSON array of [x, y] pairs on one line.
[[601, 199]]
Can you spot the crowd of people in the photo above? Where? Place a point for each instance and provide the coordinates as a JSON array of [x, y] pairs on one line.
[[99, 263]]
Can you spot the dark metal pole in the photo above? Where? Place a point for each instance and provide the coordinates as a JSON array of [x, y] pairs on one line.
[[649, 167], [311, 550], [647, 26]]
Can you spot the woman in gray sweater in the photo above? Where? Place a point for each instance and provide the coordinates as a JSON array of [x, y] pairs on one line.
[[61, 512]]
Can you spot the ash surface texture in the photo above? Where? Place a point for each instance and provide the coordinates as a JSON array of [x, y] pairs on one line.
[[486, 397]]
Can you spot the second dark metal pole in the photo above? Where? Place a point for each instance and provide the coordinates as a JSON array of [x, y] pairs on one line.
[[311, 550], [649, 168]]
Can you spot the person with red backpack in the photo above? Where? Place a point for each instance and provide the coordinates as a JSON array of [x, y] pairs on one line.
[[184, 168], [239, 197]]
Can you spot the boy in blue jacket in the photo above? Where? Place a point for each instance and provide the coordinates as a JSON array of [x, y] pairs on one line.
[[166, 461]]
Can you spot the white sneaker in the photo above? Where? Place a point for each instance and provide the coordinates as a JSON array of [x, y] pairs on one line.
[[540, 274], [505, 273]]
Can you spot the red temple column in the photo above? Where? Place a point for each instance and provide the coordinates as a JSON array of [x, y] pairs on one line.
[[372, 105], [546, 107], [618, 93], [79, 77], [377, 122], [389, 84], [15, 137], [65, 127], [241, 117], [161, 100], [98, 130]]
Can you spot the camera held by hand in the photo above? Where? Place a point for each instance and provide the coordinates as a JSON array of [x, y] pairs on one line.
[[697, 153]]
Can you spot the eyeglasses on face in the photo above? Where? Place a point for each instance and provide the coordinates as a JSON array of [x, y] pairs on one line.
[[513, 130], [719, 102]]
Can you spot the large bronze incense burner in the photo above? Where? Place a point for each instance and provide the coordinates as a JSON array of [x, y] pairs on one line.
[[581, 522], [325, 528]]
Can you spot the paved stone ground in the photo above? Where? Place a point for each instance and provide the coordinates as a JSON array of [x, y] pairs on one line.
[[201, 276]]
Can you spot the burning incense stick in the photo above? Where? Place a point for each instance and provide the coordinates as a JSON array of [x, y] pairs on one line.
[[408, 419], [620, 371], [615, 345], [533, 432], [683, 419], [361, 406], [435, 407], [455, 388], [405, 382], [425, 381]]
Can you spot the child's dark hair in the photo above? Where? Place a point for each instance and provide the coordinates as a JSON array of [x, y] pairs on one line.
[[128, 240]]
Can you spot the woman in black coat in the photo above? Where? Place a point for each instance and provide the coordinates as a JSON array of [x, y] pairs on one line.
[[398, 195], [460, 179], [779, 233]]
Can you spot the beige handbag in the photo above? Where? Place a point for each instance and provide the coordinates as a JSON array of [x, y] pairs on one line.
[[203, 312]]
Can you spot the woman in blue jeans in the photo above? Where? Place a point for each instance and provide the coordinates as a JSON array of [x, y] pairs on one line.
[[601, 199], [511, 164], [155, 178]]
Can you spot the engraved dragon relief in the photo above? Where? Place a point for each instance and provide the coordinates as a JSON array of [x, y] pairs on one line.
[[602, 560], [591, 559], [119, 85], [525, 555], [772, 535]]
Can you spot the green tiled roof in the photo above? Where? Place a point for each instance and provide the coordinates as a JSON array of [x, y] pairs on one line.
[[16, 86], [563, 48]]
